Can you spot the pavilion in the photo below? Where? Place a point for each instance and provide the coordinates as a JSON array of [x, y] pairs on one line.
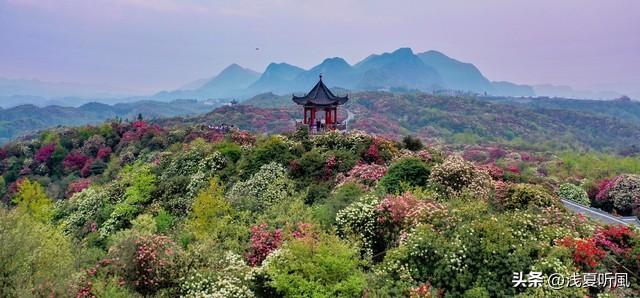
[[319, 99]]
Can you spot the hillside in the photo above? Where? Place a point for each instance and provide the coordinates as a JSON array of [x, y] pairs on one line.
[[558, 123], [134, 209], [23, 119]]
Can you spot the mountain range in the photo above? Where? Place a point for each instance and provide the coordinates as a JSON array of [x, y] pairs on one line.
[[400, 70]]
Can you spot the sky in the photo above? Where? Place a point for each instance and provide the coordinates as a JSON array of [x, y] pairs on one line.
[[152, 45]]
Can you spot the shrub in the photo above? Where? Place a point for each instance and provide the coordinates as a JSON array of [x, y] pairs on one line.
[[573, 193], [36, 259], [309, 267], [32, 200], [146, 263], [265, 188], [222, 277], [457, 176], [412, 143], [410, 172], [523, 195], [263, 242], [338, 200], [625, 193], [360, 220], [210, 210]]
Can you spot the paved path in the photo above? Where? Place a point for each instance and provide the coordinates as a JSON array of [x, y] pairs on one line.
[[601, 216], [350, 116]]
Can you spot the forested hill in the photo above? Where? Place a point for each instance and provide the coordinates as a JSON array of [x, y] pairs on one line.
[[555, 124], [22, 119]]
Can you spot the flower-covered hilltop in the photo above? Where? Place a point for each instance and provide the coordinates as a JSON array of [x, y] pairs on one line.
[[142, 210]]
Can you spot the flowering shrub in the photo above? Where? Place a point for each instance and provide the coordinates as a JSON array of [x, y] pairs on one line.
[[242, 138], [360, 219], [44, 153], [573, 193], [523, 195], [146, 263], [335, 140], [103, 153], [229, 276], [625, 193], [456, 176], [77, 186], [92, 145], [586, 253], [395, 209], [74, 161], [363, 173], [265, 188], [263, 242], [617, 239]]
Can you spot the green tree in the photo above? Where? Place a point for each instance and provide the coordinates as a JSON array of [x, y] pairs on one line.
[[36, 260], [324, 267], [32, 200], [409, 171], [209, 208]]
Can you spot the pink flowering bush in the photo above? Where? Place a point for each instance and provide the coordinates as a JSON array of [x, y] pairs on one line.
[[365, 174], [77, 186], [263, 242], [623, 191], [395, 209], [146, 263]]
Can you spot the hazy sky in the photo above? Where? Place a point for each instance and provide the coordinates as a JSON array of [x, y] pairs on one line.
[[149, 45]]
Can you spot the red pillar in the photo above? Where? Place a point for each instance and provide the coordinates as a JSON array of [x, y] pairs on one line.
[[313, 117], [335, 115], [305, 116]]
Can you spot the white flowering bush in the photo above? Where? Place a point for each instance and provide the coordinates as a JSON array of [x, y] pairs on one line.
[[230, 277], [81, 208], [268, 186], [573, 193], [336, 140], [360, 219], [206, 168], [458, 176]]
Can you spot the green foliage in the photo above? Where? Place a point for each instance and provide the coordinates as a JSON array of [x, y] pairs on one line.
[[408, 172], [573, 193], [210, 210], [412, 143], [521, 196], [31, 200], [37, 260], [308, 267], [594, 165], [343, 196], [164, 221]]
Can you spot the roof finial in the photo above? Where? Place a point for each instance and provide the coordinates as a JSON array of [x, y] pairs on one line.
[[320, 76]]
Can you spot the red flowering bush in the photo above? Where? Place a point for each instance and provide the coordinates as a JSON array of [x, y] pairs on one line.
[[263, 242], [74, 161], [103, 153], [372, 155], [44, 153], [617, 239], [586, 253], [77, 186]]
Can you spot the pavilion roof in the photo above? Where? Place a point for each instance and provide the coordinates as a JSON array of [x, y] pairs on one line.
[[320, 95]]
